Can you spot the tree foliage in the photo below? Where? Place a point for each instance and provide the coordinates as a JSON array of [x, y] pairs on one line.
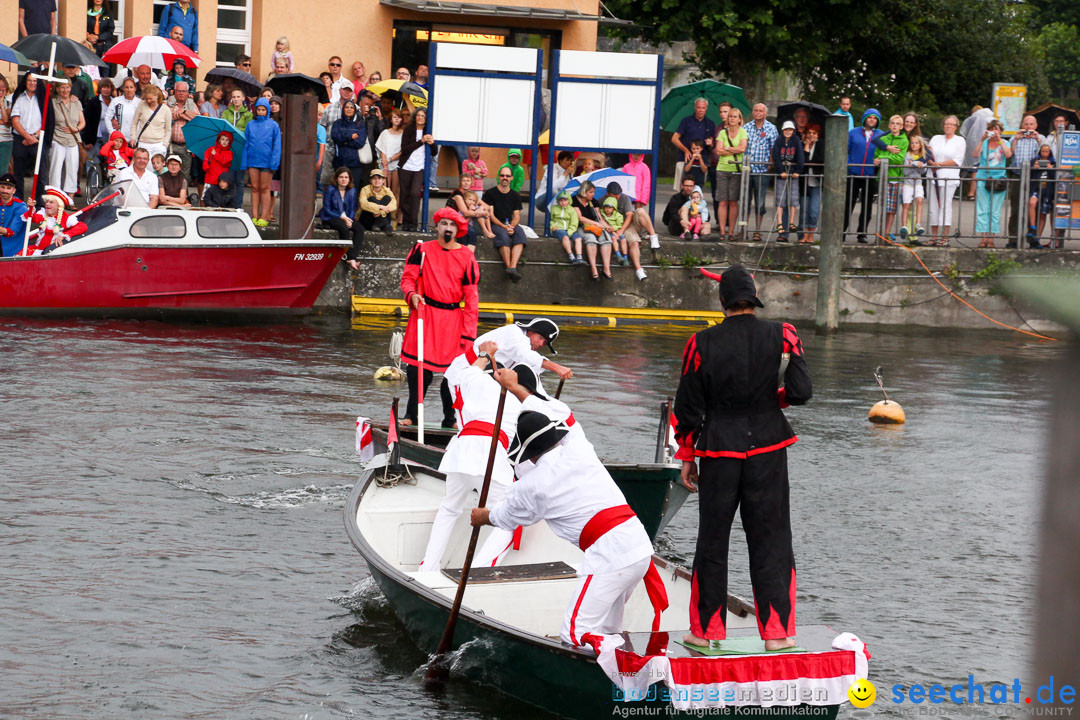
[[1061, 46], [935, 55]]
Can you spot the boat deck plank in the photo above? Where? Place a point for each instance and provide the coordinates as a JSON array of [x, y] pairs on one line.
[[811, 638]]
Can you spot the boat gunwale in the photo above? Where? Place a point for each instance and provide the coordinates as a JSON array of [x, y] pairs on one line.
[[372, 558]]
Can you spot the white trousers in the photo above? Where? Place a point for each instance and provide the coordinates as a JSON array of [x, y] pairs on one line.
[[64, 167], [599, 600], [458, 487], [941, 198]]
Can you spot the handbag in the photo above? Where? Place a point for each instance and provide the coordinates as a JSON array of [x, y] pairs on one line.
[[366, 156], [997, 185]]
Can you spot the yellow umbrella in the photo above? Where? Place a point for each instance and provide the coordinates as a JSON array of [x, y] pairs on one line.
[[401, 89]]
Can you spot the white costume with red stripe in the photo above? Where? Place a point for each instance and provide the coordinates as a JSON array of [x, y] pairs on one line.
[[514, 347], [476, 402], [568, 487], [559, 411]]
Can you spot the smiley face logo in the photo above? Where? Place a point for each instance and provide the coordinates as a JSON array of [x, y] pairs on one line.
[[862, 693]]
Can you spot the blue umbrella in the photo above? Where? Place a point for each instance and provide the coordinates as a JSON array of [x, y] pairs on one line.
[[12, 56], [601, 179], [202, 132]]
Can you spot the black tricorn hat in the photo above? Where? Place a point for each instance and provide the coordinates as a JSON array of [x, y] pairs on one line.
[[736, 285], [543, 327], [527, 379], [536, 434]]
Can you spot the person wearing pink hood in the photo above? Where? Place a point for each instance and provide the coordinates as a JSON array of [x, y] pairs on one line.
[[643, 186]]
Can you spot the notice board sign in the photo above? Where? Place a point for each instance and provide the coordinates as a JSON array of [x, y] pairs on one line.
[[1066, 193], [1009, 103]]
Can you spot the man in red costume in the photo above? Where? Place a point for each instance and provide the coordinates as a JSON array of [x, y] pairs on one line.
[[53, 225], [728, 413], [439, 276]]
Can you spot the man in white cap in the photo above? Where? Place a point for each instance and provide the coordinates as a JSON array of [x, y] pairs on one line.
[[567, 486], [476, 402], [519, 342]]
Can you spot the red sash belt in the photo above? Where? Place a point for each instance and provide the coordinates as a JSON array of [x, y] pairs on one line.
[[610, 518], [483, 429], [571, 422]]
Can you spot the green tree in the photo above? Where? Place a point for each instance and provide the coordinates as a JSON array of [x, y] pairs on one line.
[[1061, 47], [932, 55]]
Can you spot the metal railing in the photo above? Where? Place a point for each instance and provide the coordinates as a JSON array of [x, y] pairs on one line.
[[977, 209]]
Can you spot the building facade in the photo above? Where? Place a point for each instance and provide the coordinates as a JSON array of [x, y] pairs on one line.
[[383, 34]]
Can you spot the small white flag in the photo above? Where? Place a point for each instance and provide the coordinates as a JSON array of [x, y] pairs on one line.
[[365, 446]]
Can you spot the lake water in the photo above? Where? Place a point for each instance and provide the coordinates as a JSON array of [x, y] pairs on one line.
[[173, 543]]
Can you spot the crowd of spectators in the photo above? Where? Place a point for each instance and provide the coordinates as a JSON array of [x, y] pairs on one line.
[[373, 151]]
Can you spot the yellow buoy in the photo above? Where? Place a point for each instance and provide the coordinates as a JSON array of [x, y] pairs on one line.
[[389, 373], [887, 412]]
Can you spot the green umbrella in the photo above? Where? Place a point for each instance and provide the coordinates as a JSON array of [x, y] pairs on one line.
[[679, 102]]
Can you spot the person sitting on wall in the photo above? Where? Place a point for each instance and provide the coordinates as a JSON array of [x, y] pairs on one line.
[[672, 218], [377, 204], [505, 222]]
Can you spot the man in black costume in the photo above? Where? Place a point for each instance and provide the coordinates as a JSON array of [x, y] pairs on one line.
[[728, 413]]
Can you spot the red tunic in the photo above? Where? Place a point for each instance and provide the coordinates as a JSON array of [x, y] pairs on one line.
[[42, 236], [449, 277]]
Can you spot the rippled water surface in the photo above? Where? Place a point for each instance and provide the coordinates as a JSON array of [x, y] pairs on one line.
[[173, 543]]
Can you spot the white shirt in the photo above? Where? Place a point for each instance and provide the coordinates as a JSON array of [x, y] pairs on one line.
[[147, 184], [335, 88], [125, 109], [476, 397], [945, 149], [415, 162], [5, 130], [28, 112], [559, 411], [514, 347], [566, 487]]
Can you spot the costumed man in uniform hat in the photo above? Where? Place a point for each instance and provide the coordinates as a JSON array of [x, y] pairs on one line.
[[439, 276], [728, 414], [12, 224], [55, 226], [465, 461], [566, 485], [520, 342]]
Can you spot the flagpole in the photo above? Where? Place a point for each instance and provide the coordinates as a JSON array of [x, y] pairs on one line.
[[48, 80]]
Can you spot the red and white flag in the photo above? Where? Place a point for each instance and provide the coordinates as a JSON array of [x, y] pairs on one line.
[[766, 680], [365, 446]]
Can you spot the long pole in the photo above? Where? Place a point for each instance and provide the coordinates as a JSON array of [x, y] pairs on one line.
[[827, 312], [48, 80], [420, 355], [438, 670]]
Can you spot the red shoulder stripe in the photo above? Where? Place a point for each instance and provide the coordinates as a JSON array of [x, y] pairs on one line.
[[792, 343]]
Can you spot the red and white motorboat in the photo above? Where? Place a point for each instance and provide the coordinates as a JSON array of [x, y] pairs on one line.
[[192, 261]]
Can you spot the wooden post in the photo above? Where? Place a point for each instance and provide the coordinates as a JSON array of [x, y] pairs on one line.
[[298, 148], [1057, 627], [830, 259]]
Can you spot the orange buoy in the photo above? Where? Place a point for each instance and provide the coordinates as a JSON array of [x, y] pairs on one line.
[[887, 412]]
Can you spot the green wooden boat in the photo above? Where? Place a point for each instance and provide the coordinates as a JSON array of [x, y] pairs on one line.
[[654, 490], [507, 634]]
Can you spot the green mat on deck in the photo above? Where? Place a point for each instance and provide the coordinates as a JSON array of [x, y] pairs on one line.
[[738, 646]]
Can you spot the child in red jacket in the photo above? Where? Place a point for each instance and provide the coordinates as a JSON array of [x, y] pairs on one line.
[[218, 159], [117, 154]]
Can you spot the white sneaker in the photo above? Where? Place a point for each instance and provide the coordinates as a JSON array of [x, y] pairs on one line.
[[654, 242], [640, 272]]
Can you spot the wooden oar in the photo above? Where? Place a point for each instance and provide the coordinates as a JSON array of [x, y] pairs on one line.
[[558, 390], [439, 669]]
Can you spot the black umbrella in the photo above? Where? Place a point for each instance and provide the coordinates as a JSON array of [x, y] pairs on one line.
[[298, 84], [244, 81], [1046, 113], [818, 113], [68, 52]]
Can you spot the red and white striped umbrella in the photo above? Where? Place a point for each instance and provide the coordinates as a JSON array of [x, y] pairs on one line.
[[157, 52]]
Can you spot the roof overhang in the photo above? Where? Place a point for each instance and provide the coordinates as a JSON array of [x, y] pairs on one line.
[[443, 7]]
